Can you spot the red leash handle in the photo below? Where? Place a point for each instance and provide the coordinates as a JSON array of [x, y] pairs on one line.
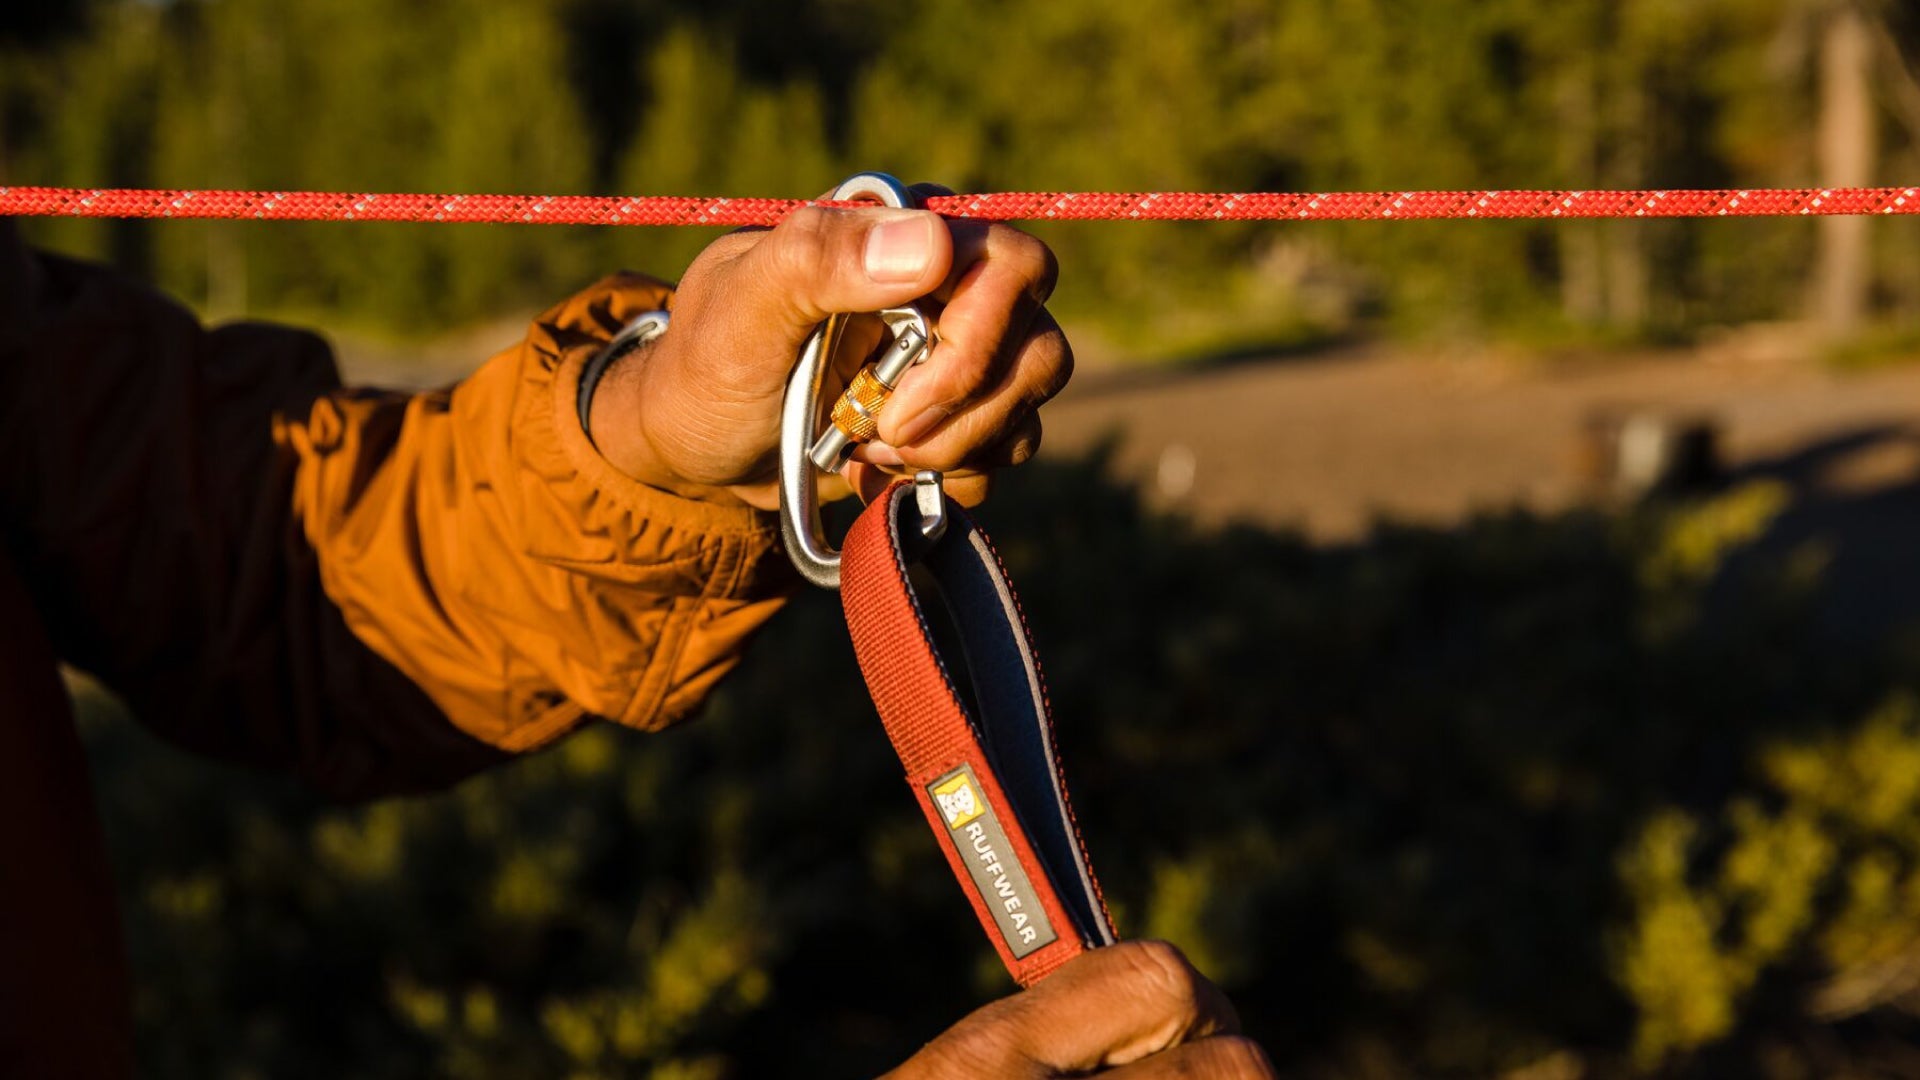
[[968, 714]]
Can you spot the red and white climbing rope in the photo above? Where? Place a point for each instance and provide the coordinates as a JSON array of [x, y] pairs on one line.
[[998, 206]]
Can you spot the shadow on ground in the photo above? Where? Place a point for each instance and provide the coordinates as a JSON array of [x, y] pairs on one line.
[[1856, 498]]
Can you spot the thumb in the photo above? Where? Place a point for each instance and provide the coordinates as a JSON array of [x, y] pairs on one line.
[[822, 261]]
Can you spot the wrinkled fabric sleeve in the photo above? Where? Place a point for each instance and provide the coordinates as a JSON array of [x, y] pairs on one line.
[[380, 591]]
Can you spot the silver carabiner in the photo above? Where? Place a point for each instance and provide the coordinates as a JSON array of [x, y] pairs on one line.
[[804, 451]]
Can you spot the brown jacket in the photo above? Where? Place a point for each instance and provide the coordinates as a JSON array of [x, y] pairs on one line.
[[378, 592]]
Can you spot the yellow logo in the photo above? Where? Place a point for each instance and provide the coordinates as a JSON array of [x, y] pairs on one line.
[[958, 802]]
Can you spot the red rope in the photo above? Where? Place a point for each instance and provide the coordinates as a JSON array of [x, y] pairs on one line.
[[1003, 206]]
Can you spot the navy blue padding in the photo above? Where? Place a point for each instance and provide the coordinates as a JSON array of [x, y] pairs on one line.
[[1011, 721]]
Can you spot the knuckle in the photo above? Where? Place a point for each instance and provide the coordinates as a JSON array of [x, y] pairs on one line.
[[1049, 273], [1163, 974], [956, 375], [1025, 446], [966, 439], [1023, 443], [944, 455], [1033, 259], [805, 242], [806, 221], [970, 376], [1053, 359]]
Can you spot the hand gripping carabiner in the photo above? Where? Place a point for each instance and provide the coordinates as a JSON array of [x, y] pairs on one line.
[[805, 451]]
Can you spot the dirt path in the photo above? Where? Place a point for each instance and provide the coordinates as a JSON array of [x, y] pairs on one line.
[[1329, 444]]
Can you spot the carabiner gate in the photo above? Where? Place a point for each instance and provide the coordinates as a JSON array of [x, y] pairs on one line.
[[804, 449]]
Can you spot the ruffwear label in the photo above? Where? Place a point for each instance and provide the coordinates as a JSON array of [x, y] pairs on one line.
[[974, 826]]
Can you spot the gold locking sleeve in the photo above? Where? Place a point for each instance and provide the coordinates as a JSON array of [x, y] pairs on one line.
[[857, 412]]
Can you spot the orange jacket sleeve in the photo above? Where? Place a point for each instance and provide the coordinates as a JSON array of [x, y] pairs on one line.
[[380, 591]]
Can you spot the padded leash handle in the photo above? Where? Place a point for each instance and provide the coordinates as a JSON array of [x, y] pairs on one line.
[[967, 712]]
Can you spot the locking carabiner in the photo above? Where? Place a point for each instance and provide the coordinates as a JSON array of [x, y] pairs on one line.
[[804, 449]]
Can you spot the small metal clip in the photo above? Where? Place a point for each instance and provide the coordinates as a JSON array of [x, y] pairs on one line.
[[931, 498]]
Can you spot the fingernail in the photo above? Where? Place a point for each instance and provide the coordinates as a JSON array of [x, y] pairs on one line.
[[899, 250], [921, 426]]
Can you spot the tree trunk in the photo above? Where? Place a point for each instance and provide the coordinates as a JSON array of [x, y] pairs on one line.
[[1582, 289], [1628, 268], [1848, 147]]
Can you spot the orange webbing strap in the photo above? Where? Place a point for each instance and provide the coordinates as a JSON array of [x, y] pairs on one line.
[[967, 712]]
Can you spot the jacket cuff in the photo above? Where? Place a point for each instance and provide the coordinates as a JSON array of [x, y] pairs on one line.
[[613, 527], [710, 574]]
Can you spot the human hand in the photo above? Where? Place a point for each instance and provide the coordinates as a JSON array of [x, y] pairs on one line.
[[1133, 1011], [697, 411]]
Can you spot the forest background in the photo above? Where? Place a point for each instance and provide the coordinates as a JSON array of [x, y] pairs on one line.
[[1541, 796]]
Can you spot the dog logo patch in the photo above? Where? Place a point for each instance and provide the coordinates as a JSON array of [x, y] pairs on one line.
[[959, 803]]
